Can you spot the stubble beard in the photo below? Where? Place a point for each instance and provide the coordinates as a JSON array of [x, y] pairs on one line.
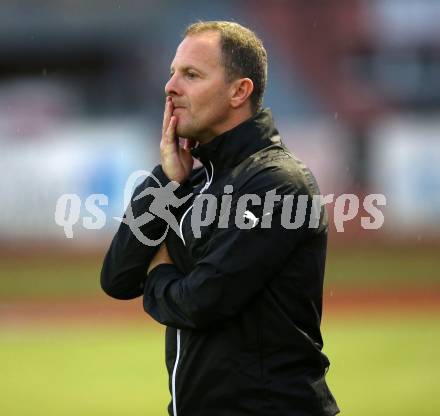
[[191, 129], [186, 131]]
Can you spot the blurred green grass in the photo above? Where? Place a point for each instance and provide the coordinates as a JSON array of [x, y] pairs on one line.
[[385, 367], [386, 266], [37, 277], [83, 371], [381, 365], [348, 266]]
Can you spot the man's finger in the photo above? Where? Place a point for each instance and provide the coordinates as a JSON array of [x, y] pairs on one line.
[[167, 114], [171, 130], [184, 144], [187, 144]]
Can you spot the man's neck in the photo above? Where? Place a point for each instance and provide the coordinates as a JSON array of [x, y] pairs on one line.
[[236, 118]]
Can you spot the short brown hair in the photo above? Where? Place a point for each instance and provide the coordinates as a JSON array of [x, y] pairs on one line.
[[243, 54]]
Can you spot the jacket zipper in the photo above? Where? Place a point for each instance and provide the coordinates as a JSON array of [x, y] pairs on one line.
[[173, 380], [176, 363], [205, 187]]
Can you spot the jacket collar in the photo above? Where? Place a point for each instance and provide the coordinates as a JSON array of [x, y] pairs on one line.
[[233, 146]]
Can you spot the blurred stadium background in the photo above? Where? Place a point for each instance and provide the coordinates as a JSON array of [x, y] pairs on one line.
[[354, 87]]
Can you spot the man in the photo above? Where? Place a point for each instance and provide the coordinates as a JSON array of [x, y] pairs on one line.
[[240, 294]]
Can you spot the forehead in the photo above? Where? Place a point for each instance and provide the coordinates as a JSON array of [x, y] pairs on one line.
[[201, 51]]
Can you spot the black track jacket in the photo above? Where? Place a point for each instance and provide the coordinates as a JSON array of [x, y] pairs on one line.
[[242, 302]]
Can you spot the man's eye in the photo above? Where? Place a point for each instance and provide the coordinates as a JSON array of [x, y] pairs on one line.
[[191, 75]]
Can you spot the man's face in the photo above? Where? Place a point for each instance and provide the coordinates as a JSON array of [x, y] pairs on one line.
[[198, 87]]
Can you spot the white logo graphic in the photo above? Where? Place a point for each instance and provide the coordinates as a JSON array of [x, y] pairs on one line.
[[161, 199], [157, 204], [251, 217]]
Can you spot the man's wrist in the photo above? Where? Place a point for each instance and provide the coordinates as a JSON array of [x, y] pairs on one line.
[[181, 191]]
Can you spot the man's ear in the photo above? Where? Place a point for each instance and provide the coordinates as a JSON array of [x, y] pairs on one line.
[[241, 90]]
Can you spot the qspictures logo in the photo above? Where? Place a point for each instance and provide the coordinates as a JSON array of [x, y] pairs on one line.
[[295, 211]]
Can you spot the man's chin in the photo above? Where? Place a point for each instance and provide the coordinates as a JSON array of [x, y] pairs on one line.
[[185, 133]]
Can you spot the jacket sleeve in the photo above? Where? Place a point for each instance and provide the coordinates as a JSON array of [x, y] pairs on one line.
[[236, 266], [125, 265]]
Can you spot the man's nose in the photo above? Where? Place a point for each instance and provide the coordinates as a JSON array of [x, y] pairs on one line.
[[172, 86]]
